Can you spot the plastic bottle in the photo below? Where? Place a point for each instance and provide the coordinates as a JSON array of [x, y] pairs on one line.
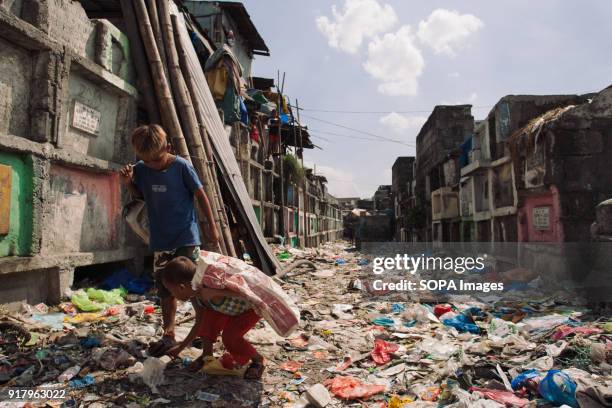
[[69, 373]]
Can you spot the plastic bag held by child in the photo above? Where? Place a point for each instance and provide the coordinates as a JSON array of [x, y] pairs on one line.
[[269, 300]]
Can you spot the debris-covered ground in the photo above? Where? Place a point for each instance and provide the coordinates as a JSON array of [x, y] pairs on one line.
[[352, 348]]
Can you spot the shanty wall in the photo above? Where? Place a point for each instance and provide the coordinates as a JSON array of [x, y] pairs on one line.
[[67, 106]]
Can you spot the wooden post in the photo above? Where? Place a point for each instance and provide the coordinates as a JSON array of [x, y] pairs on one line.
[[304, 197], [207, 154], [169, 117], [281, 161], [145, 86]]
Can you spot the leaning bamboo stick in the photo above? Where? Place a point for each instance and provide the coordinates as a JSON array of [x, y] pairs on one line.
[[140, 62], [169, 117], [157, 33], [191, 86], [188, 117]]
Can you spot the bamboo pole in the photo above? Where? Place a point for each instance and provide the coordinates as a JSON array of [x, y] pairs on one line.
[[140, 62], [188, 117], [169, 117], [153, 11], [216, 194]]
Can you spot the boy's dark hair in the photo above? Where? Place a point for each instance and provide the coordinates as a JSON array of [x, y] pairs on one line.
[[179, 270]]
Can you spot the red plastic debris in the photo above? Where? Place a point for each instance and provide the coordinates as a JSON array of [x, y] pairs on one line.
[[381, 354], [291, 366], [439, 310], [149, 309], [565, 330], [352, 388], [503, 397], [346, 362]]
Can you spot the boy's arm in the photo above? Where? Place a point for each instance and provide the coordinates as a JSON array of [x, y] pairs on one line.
[[174, 351], [127, 176], [205, 204]]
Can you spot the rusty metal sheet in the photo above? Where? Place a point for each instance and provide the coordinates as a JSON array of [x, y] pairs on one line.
[[6, 182]]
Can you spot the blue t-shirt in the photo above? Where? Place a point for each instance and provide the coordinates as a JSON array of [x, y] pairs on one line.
[[169, 198]]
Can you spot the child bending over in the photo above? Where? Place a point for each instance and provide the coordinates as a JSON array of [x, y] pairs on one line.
[[218, 312]]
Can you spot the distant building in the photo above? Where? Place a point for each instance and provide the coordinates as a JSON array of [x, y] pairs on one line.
[[383, 199], [563, 171], [446, 128], [488, 198], [402, 176]]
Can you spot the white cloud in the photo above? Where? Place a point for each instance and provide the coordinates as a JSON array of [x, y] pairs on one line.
[[400, 123], [446, 30], [464, 101], [453, 75], [358, 20], [396, 62], [340, 183]]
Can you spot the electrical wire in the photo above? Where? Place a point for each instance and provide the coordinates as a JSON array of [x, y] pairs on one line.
[[378, 112], [358, 131]]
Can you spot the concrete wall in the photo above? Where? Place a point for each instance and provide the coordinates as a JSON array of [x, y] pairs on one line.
[[18, 240], [16, 66], [84, 91], [65, 200], [86, 204]]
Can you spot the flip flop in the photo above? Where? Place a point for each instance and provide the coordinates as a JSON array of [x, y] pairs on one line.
[[255, 365]]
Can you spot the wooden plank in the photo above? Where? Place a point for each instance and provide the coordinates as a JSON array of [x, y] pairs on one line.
[[6, 182]]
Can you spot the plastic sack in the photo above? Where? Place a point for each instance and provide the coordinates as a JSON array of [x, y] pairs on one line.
[[269, 300], [381, 353], [558, 388], [135, 214], [352, 388]]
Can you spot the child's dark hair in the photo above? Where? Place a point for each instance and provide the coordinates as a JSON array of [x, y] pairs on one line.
[[179, 270]]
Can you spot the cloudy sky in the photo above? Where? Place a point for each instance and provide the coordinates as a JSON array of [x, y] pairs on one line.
[[380, 66]]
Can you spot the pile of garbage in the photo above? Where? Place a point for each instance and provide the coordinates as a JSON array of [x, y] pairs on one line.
[[352, 348]]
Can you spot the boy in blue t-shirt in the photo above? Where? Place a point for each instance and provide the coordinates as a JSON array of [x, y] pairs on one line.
[[168, 184]]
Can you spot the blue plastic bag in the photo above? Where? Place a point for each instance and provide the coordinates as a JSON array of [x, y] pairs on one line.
[[398, 307], [123, 278], [462, 323], [384, 321], [558, 388], [518, 382], [81, 382]]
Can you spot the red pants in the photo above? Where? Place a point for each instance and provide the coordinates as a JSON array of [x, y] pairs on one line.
[[232, 330]]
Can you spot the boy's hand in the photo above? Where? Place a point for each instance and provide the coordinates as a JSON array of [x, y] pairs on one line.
[[175, 350], [127, 174]]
